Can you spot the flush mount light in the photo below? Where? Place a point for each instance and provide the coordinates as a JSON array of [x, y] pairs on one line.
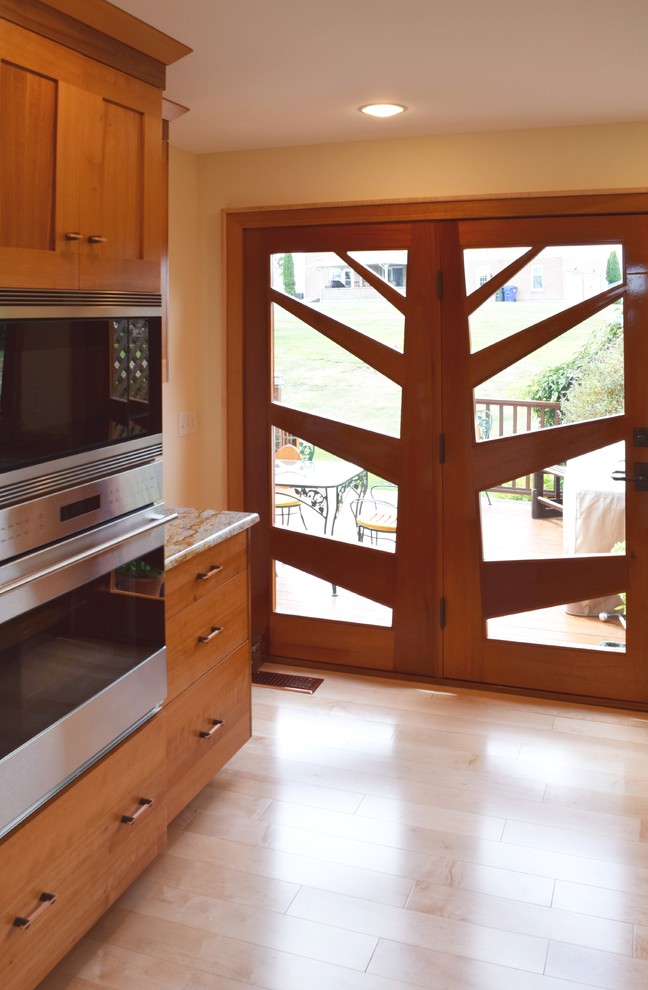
[[383, 109]]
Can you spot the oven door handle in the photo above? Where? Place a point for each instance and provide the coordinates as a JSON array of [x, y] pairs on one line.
[[87, 555]]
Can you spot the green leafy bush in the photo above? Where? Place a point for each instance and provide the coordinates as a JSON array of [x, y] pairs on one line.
[[556, 384], [598, 388]]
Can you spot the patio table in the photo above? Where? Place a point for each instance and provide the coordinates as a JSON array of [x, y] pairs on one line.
[[321, 484]]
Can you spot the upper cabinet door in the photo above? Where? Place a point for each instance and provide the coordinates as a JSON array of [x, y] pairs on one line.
[[121, 197], [81, 179], [39, 216]]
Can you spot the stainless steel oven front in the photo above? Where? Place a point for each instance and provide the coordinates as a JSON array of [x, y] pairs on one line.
[[82, 656]]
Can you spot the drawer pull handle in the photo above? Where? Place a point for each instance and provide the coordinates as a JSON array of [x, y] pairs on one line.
[[73, 235], [208, 733], [45, 900], [144, 803], [205, 575], [97, 239], [215, 630]]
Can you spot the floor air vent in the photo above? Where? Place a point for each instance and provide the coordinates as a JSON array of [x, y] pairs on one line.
[[287, 682]]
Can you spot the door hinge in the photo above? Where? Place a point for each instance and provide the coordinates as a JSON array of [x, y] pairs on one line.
[[440, 285], [441, 448], [442, 612]]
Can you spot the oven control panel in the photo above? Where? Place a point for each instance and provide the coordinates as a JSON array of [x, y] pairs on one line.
[[42, 521]]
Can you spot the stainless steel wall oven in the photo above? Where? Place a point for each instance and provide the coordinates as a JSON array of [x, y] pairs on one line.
[[82, 655]]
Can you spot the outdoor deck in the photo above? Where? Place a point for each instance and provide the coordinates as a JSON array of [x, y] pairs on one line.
[[509, 532]]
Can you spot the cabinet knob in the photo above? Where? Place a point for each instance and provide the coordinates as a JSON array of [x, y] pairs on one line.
[[96, 239], [144, 804], [72, 235], [44, 901]]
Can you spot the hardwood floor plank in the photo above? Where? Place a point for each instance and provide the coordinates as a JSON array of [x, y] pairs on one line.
[[641, 942], [221, 882], [385, 828], [600, 969], [529, 812], [258, 926], [114, 968], [292, 868], [460, 938], [421, 967], [578, 843], [529, 919], [601, 902]]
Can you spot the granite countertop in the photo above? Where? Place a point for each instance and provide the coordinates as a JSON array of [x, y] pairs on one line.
[[197, 529]]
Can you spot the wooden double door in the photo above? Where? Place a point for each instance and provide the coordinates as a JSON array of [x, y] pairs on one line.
[[426, 355]]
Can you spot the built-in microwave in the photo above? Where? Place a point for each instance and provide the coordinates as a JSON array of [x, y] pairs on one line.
[[80, 420]]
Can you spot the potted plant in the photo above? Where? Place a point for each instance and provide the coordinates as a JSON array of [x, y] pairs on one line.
[[140, 578]]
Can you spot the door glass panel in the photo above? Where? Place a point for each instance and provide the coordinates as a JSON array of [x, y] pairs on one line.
[[564, 625], [321, 494], [300, 593], [327, 284], [562, 510], [555, 279], [577, 377], [313, 374]]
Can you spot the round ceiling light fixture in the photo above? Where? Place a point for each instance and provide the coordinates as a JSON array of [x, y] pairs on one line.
[[383, 109]]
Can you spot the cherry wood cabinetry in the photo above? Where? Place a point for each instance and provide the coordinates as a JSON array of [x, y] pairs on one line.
[[67, 863], [81, 171], [208, 711], [63, 868]]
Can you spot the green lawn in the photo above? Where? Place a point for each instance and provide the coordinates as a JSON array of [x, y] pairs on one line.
[[320, 377]]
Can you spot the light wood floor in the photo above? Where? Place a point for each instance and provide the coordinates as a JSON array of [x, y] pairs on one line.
[[382, 835]]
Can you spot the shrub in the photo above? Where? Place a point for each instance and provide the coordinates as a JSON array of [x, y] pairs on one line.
[[555, 384], [598, 387]]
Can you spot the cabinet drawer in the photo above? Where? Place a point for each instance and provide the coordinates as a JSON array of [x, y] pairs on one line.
[[195, 578], [206, 725], [78, 849], [205, 633]]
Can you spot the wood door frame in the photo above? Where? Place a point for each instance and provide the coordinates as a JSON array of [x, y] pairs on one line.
[[237, 222]]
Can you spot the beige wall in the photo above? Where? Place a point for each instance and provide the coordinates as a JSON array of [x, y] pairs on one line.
[[574, 159], [182, 456]]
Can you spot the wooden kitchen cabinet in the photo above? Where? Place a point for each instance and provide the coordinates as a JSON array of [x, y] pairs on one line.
[[208, 712], [81, 171], [79, 850]]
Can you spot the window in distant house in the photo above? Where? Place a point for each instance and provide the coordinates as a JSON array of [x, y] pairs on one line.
[[537, 278], [483, 276]]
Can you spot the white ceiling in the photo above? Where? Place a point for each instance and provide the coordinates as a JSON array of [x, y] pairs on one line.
[[272, 73]]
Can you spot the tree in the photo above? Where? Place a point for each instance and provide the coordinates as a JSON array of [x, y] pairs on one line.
[[288, 275], [613, 269]]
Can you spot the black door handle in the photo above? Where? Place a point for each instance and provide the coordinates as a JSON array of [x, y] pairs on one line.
[[639, 478]]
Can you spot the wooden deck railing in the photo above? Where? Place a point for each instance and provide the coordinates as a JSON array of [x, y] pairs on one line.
[[511, 416]]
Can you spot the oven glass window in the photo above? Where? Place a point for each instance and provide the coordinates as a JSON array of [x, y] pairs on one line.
[[59, 655]]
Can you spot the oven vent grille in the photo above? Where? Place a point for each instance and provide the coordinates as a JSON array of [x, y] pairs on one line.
[[72, 297], [24, 491]]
